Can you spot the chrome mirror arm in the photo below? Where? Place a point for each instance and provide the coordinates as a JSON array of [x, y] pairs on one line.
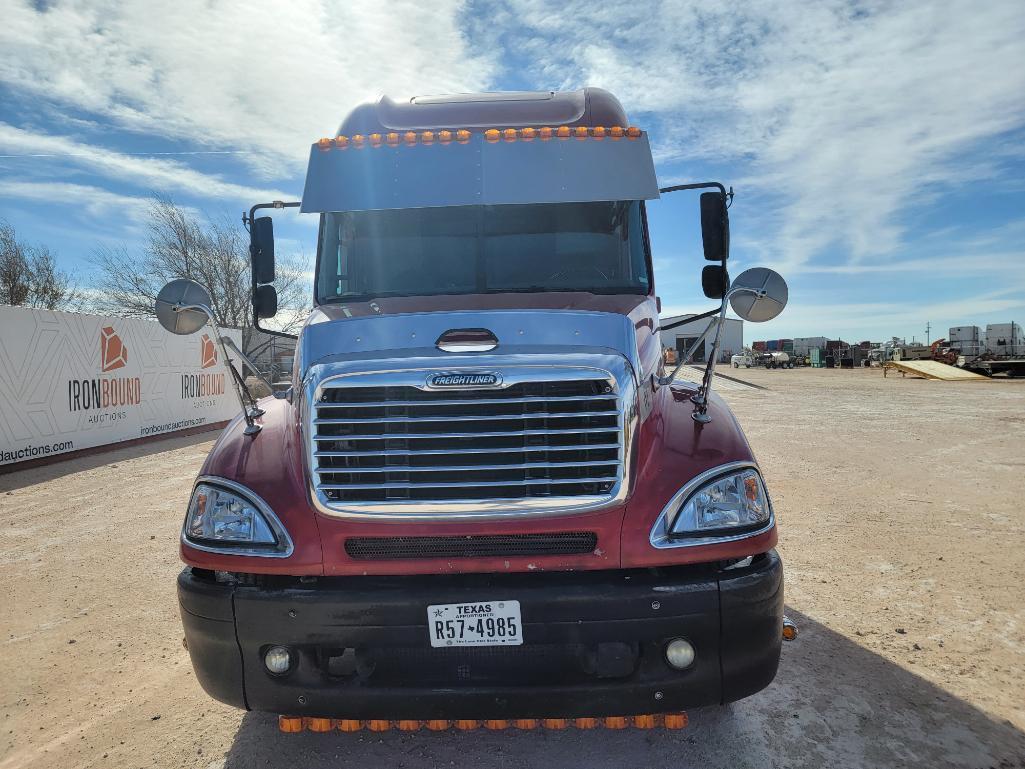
[[685, 358], [250, 410], [700, 398]]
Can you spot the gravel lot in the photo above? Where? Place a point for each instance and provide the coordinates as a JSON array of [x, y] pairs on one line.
[[901, 533]]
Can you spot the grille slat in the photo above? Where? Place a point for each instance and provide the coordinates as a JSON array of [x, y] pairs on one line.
[[471, 546], [463, 418], [534, 439]]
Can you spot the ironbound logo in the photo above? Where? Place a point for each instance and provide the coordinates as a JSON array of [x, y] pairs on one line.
[[461, 379], [106, 392], [204, 385]]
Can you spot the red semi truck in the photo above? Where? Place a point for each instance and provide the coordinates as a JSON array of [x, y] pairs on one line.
[[483, 496]]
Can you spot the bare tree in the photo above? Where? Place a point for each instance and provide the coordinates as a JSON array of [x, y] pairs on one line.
[[215, 254], [29, 275]]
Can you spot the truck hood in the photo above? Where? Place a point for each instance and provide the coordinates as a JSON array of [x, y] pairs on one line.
[[332, 336]]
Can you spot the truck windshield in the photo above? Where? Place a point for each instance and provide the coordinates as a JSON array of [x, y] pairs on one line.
[[594, 247]]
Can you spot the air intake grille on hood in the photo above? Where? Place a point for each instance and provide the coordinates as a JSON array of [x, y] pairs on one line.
[[529, 440]]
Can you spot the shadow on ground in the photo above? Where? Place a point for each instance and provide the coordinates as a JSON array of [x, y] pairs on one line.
[[12, 478], [833, 704]]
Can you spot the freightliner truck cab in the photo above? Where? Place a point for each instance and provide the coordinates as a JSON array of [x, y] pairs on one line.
[[483, 499]]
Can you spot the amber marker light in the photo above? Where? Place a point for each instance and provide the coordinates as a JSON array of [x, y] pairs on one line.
[[444, 137], [598, 132], [563, 132], [644, 722], [615, 722], [528, 134], [496, 724], [349, 725], [319, 724], [409, 137], [581, 132], [342, 142], [492, 134], [324, 144], [586, 723], [290, 724], [408, 726], [525, 723], [427, 137], [545, 133], [509, 134], [392, 139], [358, 140], [633, 132], [675, 720], [467, 724], [378, 725], [554, 723], [437, 725], [462, 136], [375, 140], [616, 132]]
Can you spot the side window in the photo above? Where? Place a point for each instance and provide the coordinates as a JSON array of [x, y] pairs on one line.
[[635, 235]]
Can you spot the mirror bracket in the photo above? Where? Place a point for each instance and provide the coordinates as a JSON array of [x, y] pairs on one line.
[[248, 220], [249, 410]]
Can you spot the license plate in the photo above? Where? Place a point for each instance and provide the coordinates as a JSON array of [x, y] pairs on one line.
[[480, 623]]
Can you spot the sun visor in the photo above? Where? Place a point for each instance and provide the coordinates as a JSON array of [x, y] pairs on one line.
[[417, 174]]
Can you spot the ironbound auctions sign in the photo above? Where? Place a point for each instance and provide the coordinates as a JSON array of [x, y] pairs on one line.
[[70, 381]]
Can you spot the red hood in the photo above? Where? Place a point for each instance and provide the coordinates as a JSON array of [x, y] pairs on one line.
[[622, 304]]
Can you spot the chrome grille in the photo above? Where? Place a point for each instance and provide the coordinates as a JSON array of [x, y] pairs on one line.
[[529, 440]]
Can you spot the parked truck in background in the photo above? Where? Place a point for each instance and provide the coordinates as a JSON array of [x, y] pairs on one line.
[[483, 496]]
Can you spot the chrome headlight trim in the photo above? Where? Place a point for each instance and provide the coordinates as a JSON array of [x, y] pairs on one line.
[[661, 536], [285, 545]]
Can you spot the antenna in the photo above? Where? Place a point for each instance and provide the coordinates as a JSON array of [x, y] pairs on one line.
[[928, 326]]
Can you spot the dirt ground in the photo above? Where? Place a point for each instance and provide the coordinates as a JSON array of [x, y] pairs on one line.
[[899, 504]]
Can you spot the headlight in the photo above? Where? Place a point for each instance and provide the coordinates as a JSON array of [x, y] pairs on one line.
[[728, 504], [228, 520]]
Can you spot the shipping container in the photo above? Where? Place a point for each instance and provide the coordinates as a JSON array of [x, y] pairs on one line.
[[964, 334], [1005, 339], [772, 345], [803, 345], [760, 346]]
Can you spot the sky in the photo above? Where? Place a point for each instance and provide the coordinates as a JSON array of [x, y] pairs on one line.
[[877, 150]]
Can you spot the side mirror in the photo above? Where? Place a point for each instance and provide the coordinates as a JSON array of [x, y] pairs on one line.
[[183, 307], [261, 249], [715, 281], [715, 226], [758, 294], [265, 302]]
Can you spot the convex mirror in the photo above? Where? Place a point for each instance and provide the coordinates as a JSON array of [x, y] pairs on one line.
[[758, 294], [182, 293]]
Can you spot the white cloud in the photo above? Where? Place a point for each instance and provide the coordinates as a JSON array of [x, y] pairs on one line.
[[253, 74], [154, 174], [846, 116]]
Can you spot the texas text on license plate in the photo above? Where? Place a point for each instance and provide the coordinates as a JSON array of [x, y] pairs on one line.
[[479, 623]]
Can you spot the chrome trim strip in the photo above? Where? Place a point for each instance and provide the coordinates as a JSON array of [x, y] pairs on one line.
[[660, 538], [469, 418], [466, 485], [476, 401], [272, 521], [464, 468], [515, 368], [515, 450], [429, 436]]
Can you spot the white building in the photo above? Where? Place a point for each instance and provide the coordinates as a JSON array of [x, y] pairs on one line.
[[681, 337]]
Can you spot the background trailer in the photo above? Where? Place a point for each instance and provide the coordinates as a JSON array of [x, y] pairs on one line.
[[681, 337]]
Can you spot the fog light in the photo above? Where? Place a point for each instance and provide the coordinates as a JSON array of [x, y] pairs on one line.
[[278, 660], [679, 654]]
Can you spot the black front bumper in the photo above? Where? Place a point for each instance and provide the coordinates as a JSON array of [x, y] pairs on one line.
[[593, 642]]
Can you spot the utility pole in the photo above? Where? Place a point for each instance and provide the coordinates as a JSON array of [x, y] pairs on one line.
[[928, 326]]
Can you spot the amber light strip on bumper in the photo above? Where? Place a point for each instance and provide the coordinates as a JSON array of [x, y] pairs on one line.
[[296, 724]]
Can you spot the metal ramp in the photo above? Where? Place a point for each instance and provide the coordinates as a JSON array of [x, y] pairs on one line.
[[694, 374], [932, 369]]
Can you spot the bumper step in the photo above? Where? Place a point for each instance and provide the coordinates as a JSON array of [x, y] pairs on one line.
[[296, 724]]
